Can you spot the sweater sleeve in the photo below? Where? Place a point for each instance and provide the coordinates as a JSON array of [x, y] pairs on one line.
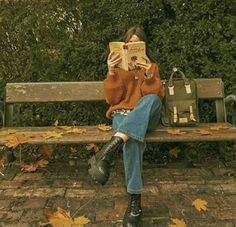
[[153, 85], [113, 88]]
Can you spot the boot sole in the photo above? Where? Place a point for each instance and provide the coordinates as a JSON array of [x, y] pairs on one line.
[[95, 172]]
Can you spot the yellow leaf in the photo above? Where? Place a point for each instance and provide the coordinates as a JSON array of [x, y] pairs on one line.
[[203, 132], [104, 127], [77, 130], [14, 141], [175, 132], [62, 218], [200, 204], [6, 132], [177, 223], [72, 129], [218, 127], [52, 134], [174, 152], [82, 220]]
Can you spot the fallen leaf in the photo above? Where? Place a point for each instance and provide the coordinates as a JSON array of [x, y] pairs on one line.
[[203, 132], [62, 218], [92, 146], [218, 127], [45, 151], [82, 220], [175, 132], [14, 141], [177, 223], [77, 130], [7, 132], [200, 204], [29, 167], [32, 167], [42, 163], [52, 134], [73, 129], [174, 152], [104, 127]]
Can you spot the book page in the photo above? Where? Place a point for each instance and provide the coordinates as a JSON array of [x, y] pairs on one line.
[[117, 47], [136, 51]]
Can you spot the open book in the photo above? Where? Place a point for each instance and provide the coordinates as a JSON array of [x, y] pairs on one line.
[[130, 53]]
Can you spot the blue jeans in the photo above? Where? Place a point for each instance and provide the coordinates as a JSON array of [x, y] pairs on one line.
[[142, 119]]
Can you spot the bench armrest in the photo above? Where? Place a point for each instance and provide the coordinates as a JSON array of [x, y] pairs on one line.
[[231, 100]]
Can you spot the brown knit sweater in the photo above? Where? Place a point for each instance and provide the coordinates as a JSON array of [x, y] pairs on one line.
[[125, 88]]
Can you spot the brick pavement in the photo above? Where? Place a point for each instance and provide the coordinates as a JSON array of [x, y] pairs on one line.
[[169, 192]]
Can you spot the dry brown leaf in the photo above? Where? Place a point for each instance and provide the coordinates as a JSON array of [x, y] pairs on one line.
[[42, 163], [200, 204], [62, 218], [14, 141], [174, 152], [6, 132], [218, 127], [32, 167], [177, 223], [52, 134], [29, 167], [92, 146], [77, 130], [45, 151], [175, 132], [203, 132], [104, 127]]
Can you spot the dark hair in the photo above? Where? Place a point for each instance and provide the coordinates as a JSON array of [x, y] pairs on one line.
[[138, 31]]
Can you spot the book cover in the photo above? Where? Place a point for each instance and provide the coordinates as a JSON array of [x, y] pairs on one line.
[[130, 53]]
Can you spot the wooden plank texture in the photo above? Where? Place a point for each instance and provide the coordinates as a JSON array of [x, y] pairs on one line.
[[87, 91], [94, 135]]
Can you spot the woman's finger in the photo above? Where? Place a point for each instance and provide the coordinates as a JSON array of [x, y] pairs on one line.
[[114, 57], [110, 54], [146, 59], [115, 62]]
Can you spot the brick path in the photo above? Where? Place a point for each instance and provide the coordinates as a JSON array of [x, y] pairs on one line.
[[169, 193]]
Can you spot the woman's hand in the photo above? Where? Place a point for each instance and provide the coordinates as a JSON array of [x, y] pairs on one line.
[[113, 60], [147, 66]]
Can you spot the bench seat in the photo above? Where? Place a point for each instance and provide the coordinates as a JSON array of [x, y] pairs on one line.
[[226, 132]]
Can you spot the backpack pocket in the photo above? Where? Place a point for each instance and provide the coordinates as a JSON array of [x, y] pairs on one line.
[[183, 113]]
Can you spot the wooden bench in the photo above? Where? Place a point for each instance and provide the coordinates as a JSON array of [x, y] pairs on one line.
[[93, 91]]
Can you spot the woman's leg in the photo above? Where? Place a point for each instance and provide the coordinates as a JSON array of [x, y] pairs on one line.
[[133, 160], [134, 125], [145, 116]]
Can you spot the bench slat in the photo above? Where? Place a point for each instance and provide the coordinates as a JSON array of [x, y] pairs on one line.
[[87, 91], [94, 135]]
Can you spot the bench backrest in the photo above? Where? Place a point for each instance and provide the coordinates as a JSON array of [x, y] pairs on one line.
[[91, 91]]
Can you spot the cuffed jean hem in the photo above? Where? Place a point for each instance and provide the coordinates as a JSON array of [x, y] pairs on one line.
[[140, 139], [134, 191]]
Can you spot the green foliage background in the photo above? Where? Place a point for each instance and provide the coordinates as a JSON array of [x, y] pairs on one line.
[[67, 41]]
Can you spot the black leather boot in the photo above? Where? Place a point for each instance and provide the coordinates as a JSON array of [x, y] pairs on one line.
[[100, 163], [133, 213]]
